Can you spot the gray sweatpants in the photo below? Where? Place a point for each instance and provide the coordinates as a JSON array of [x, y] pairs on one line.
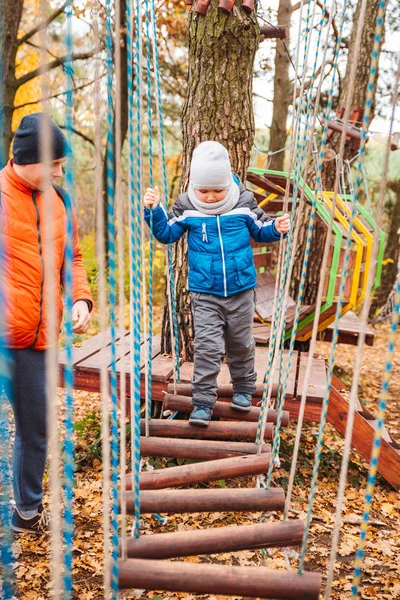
[[223, 325]]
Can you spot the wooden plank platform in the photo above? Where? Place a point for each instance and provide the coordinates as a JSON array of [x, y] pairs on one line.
[[349, 330], [90, 355]]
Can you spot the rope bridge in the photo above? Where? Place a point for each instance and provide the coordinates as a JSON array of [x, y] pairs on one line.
[[129, 363]]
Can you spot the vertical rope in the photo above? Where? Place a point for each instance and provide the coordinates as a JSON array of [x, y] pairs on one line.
[[325, 403], [6, 553], [384, 393], [52, 407], [310, 132], [151, 237], [69, 482], [112, 297], [171, 292], [283, 253], [318, 189], [368, 298], [135, 186], [121, 272], [104, 382]]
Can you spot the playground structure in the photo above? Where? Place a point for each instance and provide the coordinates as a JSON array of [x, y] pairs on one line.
[[127, 367], [270, 190]]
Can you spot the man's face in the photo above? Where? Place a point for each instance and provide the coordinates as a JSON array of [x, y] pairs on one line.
[[36, 174]]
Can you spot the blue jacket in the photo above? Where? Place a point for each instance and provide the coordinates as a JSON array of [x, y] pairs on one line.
[[220, 253]]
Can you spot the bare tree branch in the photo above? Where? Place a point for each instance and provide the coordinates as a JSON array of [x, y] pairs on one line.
[[82, 135], [75, 89], [41, 48], [54, 64], [42, 25]]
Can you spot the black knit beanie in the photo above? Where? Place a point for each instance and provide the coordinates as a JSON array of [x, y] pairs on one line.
[[26, 146]]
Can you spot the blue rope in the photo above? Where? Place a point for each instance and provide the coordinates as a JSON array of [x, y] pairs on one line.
[[135, 194], [112, 298], [6, 553], [335, 334], [376, 446], [151, 183], [285, 268], [69, 482], [282, 391], [170, 267]]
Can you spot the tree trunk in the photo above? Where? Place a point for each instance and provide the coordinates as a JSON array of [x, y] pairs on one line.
[[278, 131], [359, 94], [10, 17], [124, 111], [218, 107], [392, 251]]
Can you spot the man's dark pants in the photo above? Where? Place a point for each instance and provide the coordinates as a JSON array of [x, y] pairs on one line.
[[28, 400]]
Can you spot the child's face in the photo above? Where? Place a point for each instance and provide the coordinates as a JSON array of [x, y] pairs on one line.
[[211, 196]]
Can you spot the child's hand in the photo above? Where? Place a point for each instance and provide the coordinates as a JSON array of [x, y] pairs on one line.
[[282, 224], [152, 197]]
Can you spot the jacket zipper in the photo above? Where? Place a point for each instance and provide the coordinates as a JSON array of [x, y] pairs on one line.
[[204, 232], [223, 255], [42, 261]]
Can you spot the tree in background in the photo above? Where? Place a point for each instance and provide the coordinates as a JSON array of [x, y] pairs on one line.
[[282, 98], [218, 106]]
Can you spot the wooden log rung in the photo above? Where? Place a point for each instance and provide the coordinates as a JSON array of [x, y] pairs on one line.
[[208, 500], [197, 449], [223, 430], [223, 468], [222, 409], [253, 582], [216, 540], [225, 390]]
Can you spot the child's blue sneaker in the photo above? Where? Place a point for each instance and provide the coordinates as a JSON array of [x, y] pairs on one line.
[[200, 415], [241, 402]]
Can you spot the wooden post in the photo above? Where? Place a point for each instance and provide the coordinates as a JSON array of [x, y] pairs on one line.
[[212, 500], [223, 468], [270, 32], [224, 430], [222, 409], [216, 540], [253, 582], [197, 449]]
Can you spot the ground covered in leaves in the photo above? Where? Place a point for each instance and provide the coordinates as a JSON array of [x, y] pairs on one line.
[[381, 567]]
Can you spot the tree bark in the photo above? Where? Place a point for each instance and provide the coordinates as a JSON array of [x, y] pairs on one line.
[[218, 107], [278, 131], [359, 94], [10, 17], [392, 251], [124, 110]]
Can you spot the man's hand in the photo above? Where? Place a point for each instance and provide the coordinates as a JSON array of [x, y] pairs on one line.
[[80, 316], [282, 224], [152, 197]]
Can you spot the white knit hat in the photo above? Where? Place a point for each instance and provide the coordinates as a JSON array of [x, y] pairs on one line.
[[210, 168]]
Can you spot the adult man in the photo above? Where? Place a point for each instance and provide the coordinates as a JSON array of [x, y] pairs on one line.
[[25, 318]]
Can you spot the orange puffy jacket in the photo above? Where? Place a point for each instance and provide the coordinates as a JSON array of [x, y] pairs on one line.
[[24, 318]]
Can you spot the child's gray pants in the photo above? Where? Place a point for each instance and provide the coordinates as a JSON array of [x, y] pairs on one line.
[[223, 325]]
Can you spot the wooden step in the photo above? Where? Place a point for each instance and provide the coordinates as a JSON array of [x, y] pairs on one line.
[[224, 430], [197, 449], [222, 409], [253, 582], [208, 500], [216, 540], [202, 472]]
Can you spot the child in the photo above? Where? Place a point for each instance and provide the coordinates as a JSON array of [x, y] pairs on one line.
[[219, 215]]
